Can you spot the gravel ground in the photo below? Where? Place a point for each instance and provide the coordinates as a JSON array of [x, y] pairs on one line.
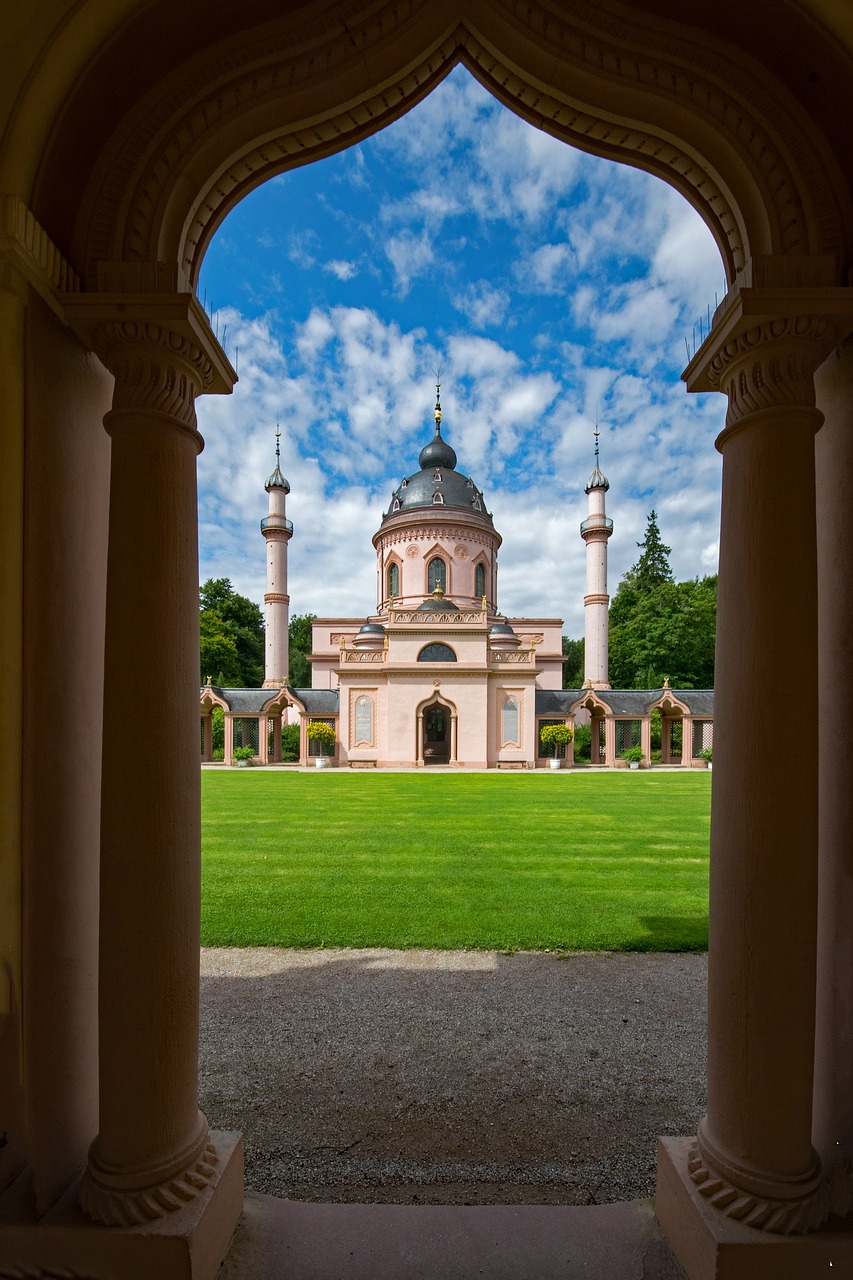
[[425, 1077]]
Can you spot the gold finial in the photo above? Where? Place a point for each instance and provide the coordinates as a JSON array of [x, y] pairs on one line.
[[438, 593], [484, 604], [532, 642], [437, 373], [666, 682], [343, 641], [385, 643], [209, 681]]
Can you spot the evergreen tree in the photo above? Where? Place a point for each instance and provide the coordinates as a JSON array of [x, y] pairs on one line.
[[660, 628], [573, 662]]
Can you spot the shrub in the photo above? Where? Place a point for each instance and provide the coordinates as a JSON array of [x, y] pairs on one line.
[[557, 736], [320, 736], [242, 753], [634, 755], [289, 742], [707, 753], [583, 742]]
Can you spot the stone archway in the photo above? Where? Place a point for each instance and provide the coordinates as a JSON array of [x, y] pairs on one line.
[[117, 181]]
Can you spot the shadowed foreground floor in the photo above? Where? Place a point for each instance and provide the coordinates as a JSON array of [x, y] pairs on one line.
[[451, 1078]]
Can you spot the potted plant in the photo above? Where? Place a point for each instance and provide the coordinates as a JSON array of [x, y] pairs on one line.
[[557, 736], [707, 754], [322, 737], [242, 755], [634, 756]]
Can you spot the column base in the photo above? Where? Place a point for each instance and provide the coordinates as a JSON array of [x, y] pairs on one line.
[[188, 1244], [711, 1246]]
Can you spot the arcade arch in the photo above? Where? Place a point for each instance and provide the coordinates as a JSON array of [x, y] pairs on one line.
[[114, 185]]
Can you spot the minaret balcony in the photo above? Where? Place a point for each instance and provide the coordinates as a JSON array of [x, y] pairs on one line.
[[597, 523], [276, 522]]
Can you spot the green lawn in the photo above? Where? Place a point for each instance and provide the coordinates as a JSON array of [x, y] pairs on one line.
[[590, 861]]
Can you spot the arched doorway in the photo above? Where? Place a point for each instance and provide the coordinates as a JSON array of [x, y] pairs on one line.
[[119, 182], [436, 734]]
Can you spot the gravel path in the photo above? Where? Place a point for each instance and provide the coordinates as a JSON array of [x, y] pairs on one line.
[[424, 1077]]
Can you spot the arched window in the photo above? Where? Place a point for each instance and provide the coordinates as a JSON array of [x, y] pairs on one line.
[[394, 580], [436, 653], [510, 719], [436, 574], [480, 580]]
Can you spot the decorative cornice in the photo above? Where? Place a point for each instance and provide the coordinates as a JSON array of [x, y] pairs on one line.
[[789, 1216], [386, 538], [597, 597], [26, 247], [599, 59], [433, 618], [276, 597], [121, 1207]]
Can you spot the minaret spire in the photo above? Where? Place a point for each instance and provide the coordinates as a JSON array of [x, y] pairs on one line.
[[595, 531], [277, 531], [437, 401]]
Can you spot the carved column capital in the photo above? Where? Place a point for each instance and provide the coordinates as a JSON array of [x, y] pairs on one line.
[[158, 346], [765, 345]]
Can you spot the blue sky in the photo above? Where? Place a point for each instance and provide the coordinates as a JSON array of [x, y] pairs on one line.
[[550, 286]]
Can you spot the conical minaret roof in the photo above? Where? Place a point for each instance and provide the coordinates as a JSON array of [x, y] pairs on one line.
[[598, 480], [277, 480]]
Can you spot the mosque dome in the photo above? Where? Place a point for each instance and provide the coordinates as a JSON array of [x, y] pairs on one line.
[[369, 636], [438, 483], [502, 636]]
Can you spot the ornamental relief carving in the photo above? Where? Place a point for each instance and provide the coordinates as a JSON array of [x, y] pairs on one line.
[[772, 364], [432, 534], [780, 1217], [155, 368], [215, 95]]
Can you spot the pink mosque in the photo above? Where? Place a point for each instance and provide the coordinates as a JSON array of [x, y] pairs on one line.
[[437, 675]]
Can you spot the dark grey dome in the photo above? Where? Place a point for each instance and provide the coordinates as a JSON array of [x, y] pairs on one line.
[[433, 605], [437, 453], [501, 629], [372, 629]]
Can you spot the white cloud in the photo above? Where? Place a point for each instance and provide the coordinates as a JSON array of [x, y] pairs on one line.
[[340, 268], [410, 256], [482, 303]]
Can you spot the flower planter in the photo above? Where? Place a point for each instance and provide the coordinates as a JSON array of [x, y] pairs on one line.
[[320, 762], [554, 764], [242, 764], [633, 764]]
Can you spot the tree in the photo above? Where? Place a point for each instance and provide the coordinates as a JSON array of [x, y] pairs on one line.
[[660, 628], [227, 616], [300, 640], [573, 663]]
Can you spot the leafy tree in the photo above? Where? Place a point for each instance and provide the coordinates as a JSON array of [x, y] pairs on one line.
[[661, 628], [300, 641], [226, 615], [573, 663]]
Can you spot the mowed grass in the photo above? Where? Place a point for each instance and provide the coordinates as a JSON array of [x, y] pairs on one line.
[[575, 861]]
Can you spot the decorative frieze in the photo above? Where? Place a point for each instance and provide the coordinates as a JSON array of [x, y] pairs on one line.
[[362, 655], [428, 617]]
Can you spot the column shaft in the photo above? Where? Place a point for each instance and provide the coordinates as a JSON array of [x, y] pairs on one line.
[[757, 1133], [833, 1093], [151, 1154]]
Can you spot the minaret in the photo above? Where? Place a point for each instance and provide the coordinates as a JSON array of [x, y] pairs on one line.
[[277, 531], [595, 531]]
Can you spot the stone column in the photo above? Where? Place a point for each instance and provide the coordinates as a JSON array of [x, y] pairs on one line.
[[453, 739], [228, 740], [646, 738], [419, 748], [208, 737], [754, 1160], [833, 1093], [152, 1153]]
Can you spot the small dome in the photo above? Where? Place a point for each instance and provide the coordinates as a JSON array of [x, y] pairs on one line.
[[598, 480], [438, 453], [501, 629], [437, 605], [372, 629], [277, 481]]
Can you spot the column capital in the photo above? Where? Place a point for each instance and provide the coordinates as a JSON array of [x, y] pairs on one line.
[[159, 347], [765, 345]]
